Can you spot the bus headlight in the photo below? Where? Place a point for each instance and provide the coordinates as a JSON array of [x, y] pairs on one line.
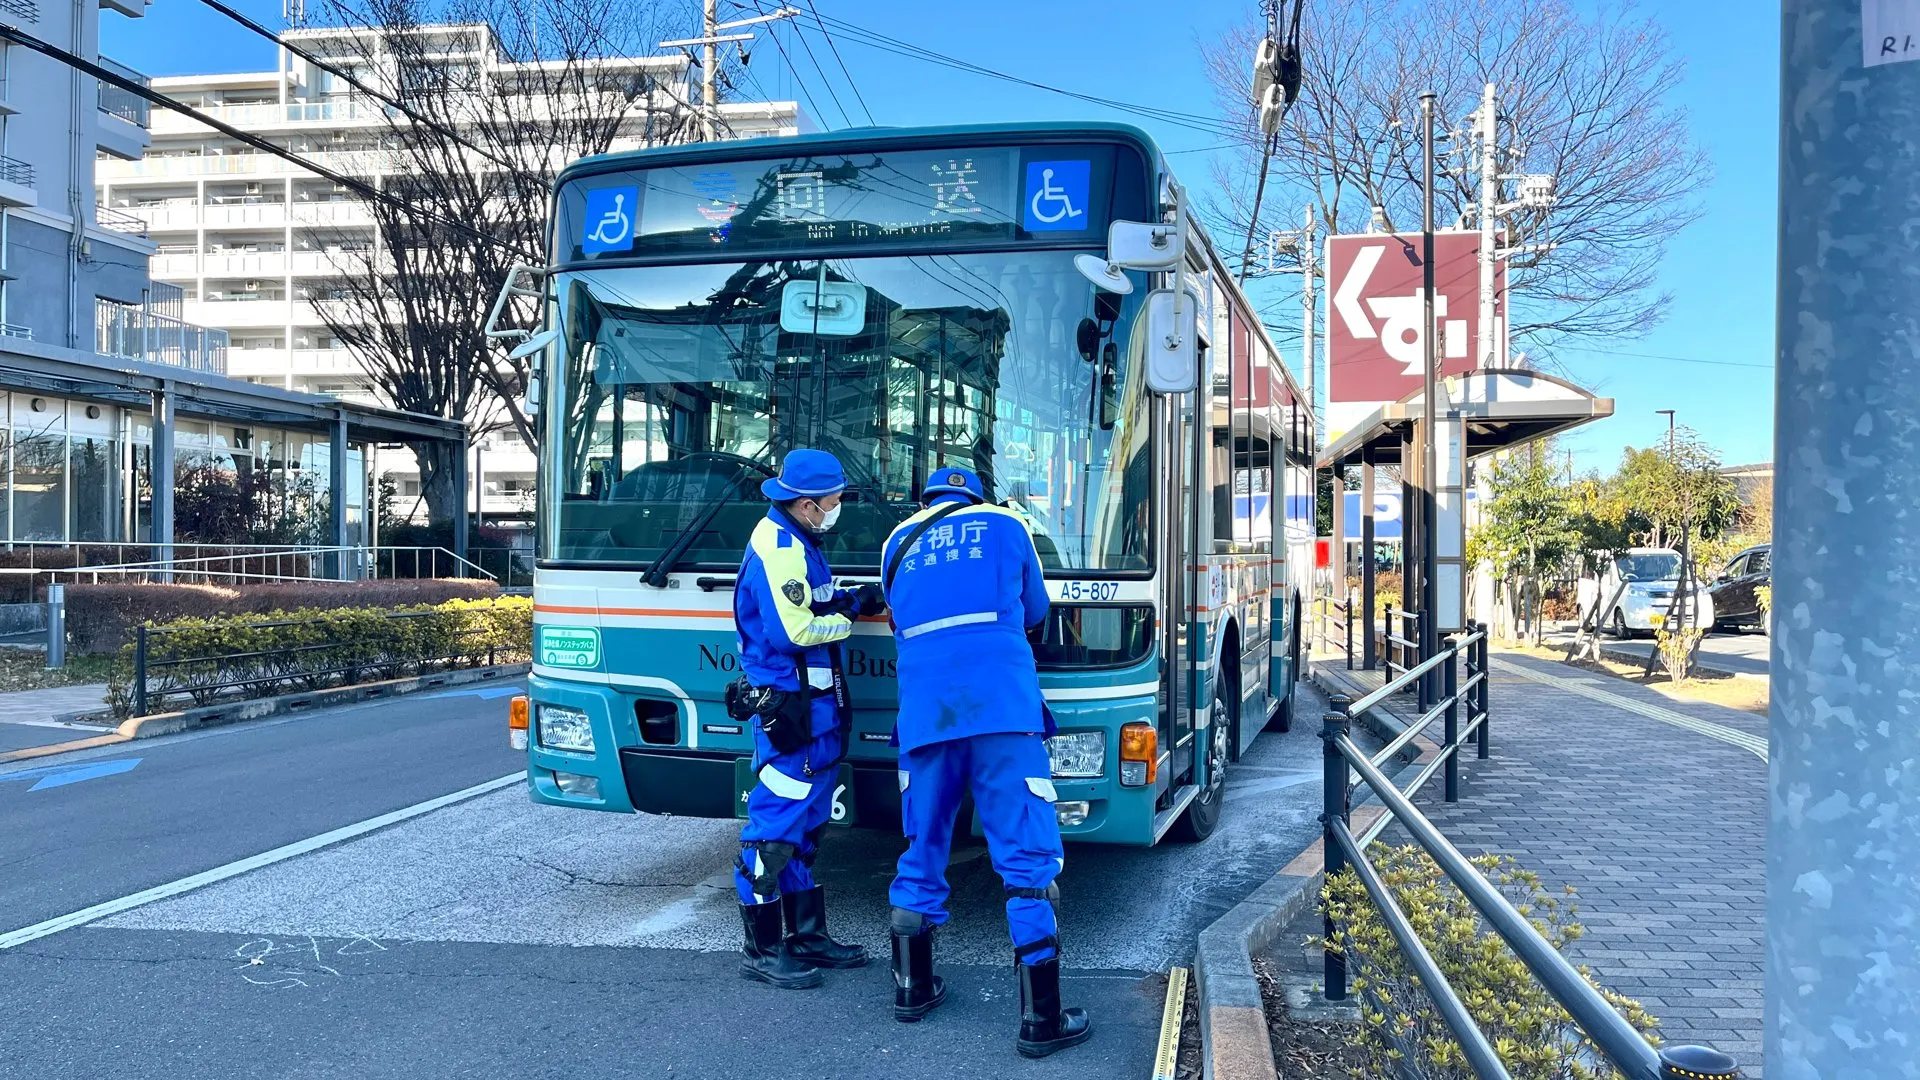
[[562, 728], [1078, 755]]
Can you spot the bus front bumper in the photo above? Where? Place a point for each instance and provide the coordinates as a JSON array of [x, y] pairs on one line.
[[621, 775]]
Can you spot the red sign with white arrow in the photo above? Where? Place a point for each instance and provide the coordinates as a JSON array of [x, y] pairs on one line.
[[1375, 352]]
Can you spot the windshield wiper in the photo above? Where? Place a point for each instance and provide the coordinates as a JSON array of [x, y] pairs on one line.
[[669, 560]]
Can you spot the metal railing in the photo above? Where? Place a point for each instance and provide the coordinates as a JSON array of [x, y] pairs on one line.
[[15, 330], [138, 333], [15, 171], [119, 221], [117, 101], [209, 564], [1615, 1038], [213, 675], [1336, 617], [26, 10]]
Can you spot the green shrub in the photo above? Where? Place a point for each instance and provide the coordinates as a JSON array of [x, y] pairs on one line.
[[1764, 594], [1676, 650], [208, 660], [101, 618], [1402, 1033]]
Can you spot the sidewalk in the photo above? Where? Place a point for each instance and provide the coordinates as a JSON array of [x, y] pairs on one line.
[[1655, 810], [30, 718]]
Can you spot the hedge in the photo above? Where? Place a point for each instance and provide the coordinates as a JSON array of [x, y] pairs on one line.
[[207, 660], [101, 618]]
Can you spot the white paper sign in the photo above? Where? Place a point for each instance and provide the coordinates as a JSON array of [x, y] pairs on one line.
[[1889, 31]]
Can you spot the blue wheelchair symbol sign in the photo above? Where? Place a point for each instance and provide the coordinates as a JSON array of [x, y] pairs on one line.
[[1056, 196], [609, 220]]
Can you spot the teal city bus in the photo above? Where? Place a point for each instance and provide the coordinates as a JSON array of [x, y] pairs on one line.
[[908, 299]]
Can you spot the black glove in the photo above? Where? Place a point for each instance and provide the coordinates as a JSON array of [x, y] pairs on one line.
[[869, 599], [841, 604]]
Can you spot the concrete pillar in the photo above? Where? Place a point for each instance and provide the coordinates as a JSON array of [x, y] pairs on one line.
[[162, 478], [339, 565], [1337, 546], [1843, 847], [1369, 653]]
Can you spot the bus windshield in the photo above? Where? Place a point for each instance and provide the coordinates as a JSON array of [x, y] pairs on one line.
[[674, 390]]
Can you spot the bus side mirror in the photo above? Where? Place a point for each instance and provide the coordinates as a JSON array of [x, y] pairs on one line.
[[1173, 335]]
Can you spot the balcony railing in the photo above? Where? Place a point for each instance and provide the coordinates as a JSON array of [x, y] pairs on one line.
[[136, 333], [24, 10], [116, 101], [15, 171], [15, 330], [119, 221]]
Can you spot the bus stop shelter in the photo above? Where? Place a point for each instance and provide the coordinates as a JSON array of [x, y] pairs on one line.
[[1486, 412]]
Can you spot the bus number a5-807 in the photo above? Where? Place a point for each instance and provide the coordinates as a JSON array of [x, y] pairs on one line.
[[1089, 590]]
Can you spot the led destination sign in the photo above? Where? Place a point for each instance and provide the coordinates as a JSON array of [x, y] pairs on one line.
[[1042, 194]]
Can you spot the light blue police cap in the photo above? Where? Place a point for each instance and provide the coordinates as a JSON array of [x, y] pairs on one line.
[[954, 481], [806, 474]]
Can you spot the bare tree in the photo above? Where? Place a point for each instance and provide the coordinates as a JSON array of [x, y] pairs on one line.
[[499, 95], [1584, 97]]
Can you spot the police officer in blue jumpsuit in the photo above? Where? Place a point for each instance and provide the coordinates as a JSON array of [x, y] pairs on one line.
[[964, 593], [790, 620]]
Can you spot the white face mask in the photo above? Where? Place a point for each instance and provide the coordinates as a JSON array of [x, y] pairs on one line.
[[831, 516]]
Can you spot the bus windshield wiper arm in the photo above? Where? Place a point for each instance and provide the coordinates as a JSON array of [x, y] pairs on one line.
[[656, 573]]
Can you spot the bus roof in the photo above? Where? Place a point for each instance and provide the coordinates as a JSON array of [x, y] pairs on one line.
[[865, 138]]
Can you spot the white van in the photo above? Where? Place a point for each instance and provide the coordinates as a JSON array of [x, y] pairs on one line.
[[1651, 575]]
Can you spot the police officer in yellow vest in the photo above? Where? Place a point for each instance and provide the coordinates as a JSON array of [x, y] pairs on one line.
[[790, 621]]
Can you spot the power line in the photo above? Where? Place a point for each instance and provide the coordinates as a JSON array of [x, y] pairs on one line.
[[844, 70], [1662, 356], [360, 187], [799, 83], [846, 118], [874, 40]]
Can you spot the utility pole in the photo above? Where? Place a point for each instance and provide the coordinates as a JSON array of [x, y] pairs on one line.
[[1489, 203], [1430, 409], [1844, 998], [709, 41], [1308, 245], [709, 59]]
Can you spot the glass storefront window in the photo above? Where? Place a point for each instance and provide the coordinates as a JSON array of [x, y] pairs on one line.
[[96, 488], [39, 487]]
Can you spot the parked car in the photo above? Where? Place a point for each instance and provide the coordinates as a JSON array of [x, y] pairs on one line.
[[1735, 589], [1638, 586]]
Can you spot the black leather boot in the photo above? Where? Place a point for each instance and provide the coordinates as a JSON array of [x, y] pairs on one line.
[[917, 991], [1044, 1026], [807, 939], [767, 958]]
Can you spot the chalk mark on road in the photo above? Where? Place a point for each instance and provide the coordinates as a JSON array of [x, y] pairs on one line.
[[255, 953]]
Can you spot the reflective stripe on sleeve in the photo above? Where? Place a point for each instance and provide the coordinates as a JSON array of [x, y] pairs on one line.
[[950, 621]]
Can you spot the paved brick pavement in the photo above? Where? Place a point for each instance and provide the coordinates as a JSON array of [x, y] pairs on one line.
[[1661, 829]]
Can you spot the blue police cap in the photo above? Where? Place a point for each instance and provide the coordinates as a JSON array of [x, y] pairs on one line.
[[955, 481], [806, 474]]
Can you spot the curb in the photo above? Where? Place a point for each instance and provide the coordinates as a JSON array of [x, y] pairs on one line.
[[147, 727], [62, 747], [1234, 1041]]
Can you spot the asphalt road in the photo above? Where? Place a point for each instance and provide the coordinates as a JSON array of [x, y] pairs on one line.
[[492, 937], [1740, 651]]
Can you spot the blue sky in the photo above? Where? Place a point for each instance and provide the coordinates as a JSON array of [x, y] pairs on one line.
[[1712, 359]]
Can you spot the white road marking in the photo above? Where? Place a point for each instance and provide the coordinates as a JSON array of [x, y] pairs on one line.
[[252, 862], [1754, 744]]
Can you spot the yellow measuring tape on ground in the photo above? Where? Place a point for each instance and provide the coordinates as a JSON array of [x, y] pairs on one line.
[[1166, 1059]]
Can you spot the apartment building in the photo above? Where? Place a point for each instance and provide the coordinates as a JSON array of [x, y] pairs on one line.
[[254, 241], [107, 393]]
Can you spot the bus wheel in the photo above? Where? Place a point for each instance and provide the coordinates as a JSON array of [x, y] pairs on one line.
[[1203, 813]]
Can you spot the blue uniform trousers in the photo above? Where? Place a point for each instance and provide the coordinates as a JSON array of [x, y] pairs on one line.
[[787, 811], [1010, 776]]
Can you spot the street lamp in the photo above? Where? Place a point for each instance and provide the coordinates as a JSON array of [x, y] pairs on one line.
[[1668, 413]]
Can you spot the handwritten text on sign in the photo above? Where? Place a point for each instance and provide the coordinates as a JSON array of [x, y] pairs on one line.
[[1889, 31]]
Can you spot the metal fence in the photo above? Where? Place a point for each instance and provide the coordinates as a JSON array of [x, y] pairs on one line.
[[1335, 623], [119, 221], [229, 564], [1463, 699]]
